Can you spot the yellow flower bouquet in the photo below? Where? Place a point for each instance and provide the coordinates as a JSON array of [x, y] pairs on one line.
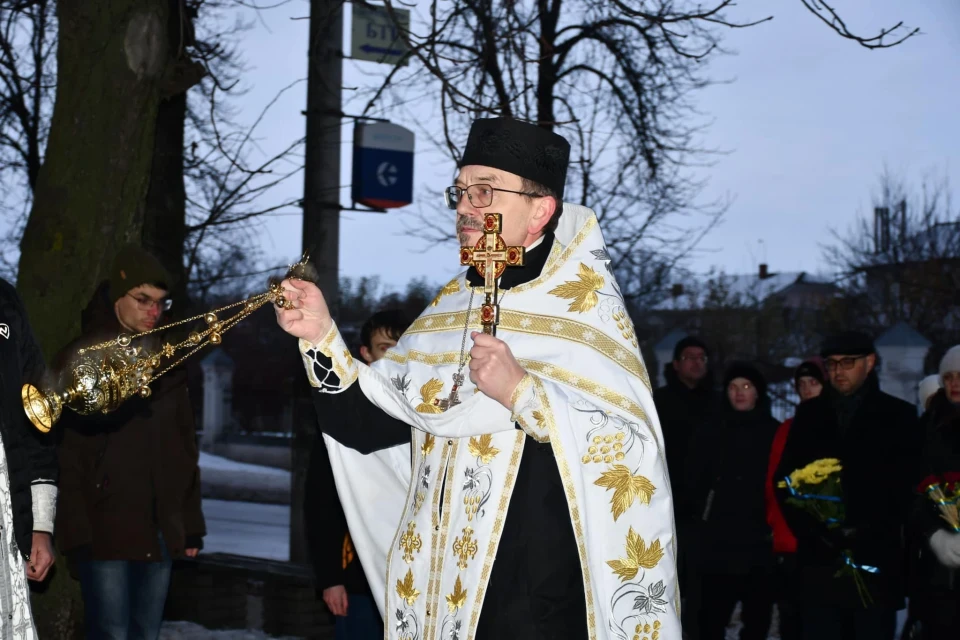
[[816, 489]]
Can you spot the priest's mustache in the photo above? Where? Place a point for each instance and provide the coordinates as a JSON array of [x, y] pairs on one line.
[[468, 223]]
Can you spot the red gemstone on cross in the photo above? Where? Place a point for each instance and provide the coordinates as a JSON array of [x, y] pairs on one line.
[[487, 313], [489, 223]]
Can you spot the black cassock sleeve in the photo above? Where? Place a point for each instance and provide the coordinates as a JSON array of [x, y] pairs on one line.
[[355, 422]]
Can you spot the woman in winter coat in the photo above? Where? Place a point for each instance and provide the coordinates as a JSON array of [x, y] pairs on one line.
[[732, 549], [936, 598]]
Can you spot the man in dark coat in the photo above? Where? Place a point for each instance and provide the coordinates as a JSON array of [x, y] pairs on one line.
[[870, 432], [686, 403], [28, 463], [130, 481]]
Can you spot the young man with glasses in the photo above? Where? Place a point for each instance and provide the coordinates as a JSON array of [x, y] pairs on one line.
[[130, 496], [873, 435]]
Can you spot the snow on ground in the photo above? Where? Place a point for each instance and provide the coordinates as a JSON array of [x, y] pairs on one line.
[[191, 631], [226, 479], [247, 529], [219, 463]]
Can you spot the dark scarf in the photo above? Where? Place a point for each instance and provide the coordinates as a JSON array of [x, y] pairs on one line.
[[846, 406]]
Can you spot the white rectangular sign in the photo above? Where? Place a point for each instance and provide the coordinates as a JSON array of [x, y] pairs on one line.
[[375, 37]]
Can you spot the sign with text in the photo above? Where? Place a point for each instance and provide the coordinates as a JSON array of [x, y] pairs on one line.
[[375, 37], [382, 165]]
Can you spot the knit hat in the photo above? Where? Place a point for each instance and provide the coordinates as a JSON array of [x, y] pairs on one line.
[[748, 371], [928, 386], [686, 343], [848, 343], [809, 368], [950, 361], [134, 266]]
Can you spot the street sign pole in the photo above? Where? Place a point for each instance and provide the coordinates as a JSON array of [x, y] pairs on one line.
[[321, 213]]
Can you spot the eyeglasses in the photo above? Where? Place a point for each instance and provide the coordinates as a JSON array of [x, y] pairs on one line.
[[700, 359], [145, 304], [479, 195], [843, 364]]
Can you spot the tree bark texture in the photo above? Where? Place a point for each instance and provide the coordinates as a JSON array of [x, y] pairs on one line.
[[112, 60], [164, 216]]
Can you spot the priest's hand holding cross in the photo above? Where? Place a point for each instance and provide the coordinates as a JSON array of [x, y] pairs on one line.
[[494, 369]]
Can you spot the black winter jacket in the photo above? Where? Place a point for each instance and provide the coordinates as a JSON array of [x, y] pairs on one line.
[[31, 456], [682, 411], [726, 480], [877, 448], [940, 426]]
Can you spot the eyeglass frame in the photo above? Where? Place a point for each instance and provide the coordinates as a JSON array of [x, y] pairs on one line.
[[454, 201], [704, 359], [846, 363], [164, 304]]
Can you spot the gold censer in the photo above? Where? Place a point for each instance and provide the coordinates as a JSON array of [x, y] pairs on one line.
[[105, 375]]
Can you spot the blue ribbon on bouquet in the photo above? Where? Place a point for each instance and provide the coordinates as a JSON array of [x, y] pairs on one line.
[[862, 567], [812, 496], [809, 496]]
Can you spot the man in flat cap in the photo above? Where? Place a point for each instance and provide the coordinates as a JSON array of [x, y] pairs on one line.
[[870, 432], [538, 503]]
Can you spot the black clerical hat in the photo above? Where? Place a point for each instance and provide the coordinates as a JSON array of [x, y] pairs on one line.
[[521, 148]]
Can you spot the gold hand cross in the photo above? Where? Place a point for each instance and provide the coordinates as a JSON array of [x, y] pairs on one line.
[[490, 257]]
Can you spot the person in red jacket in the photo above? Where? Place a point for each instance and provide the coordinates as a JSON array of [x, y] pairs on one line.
[[808, 381]]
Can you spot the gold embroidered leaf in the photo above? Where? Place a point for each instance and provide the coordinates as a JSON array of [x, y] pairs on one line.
[[451, 287], [483, 448], [429, 392], [626, 488], [582, 292], [541, 419], [638, 555], [458, 598], [427, 446], [406, 590]]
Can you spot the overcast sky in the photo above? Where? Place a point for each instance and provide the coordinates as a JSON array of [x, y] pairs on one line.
[[809, 120]]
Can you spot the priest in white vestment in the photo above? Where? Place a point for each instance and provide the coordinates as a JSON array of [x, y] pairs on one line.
[[512, 486]]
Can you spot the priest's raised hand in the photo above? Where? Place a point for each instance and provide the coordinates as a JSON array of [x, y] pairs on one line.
[[309, 319], [494, 369]]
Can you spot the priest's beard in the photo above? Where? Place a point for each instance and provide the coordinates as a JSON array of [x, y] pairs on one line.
[[467, 224]]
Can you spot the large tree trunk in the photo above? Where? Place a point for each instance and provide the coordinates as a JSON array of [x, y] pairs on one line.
[[112, 62], [164, 220], [114, 65]]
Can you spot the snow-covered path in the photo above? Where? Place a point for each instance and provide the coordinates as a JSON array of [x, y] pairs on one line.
[[247, 529]]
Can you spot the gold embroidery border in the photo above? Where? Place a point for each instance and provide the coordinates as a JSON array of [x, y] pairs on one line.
[[411, 492], [573, 331], [539, 325], [570, 491], [437, 322], [534, 433], [432, 359], [595, 389], [522, 387], [509, 482], [437, 552]]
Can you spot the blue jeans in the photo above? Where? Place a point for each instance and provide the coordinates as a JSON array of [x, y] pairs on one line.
[[123, 600], [362, 621]]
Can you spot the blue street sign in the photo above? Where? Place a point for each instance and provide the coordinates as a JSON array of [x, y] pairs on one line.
[[382, 165]]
